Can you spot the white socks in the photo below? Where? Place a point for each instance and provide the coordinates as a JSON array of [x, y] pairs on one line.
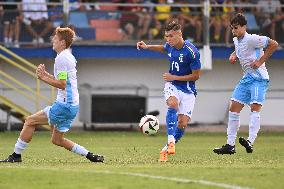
[[171, 138], [79, 150], [233, 127], [254, 126], [20, 146]]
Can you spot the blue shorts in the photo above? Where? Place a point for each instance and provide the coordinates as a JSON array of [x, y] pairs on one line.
[[61, 115], [250, 90]]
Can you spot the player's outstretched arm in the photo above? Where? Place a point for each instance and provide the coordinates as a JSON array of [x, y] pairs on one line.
[[272, 46], [143, 45]]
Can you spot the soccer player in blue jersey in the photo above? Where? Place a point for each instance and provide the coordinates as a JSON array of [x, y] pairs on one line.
[[62, 113], [252, 87], [179, 91]]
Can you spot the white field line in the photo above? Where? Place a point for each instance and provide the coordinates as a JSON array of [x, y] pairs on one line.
[[180, 180]]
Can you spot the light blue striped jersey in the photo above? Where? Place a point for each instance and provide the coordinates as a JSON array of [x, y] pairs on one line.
[[248, 49], [66, 62]]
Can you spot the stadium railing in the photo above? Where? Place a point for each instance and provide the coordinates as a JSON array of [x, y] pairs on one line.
[[122, 23]]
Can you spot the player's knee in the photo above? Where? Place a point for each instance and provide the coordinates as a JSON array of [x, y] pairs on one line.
[[29, 121], [172, 104], [182, 124]]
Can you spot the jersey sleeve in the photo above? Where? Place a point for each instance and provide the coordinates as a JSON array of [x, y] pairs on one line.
[[166, 47], [61, 67], [195, 62], [257, 41]]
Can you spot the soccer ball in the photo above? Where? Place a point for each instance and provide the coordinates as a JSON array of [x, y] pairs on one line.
[[149, 124]]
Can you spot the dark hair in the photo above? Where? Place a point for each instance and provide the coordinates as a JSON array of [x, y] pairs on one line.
[[239, 19], [173, 25]]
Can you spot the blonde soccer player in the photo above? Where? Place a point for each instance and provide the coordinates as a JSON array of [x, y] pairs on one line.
[[63, 111]]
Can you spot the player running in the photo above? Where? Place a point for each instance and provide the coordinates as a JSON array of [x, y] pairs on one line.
[[62, 113]]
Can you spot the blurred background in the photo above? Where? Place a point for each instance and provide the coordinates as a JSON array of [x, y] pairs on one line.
[[119, 84]]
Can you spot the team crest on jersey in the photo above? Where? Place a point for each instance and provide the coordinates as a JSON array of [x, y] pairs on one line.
[[180, 57]]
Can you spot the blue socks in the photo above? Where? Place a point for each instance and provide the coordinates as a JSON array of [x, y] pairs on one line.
[[171, 120], [178, 134]]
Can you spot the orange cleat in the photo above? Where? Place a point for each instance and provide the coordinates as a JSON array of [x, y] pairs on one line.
[[163, 156], [171, 148]]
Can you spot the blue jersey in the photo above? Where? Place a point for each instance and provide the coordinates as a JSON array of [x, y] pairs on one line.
[[182, 62]]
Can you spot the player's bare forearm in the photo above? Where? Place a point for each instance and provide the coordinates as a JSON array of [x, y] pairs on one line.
[[49, 75], [157, 48], [60, 84], [194, 76], [272, 46]]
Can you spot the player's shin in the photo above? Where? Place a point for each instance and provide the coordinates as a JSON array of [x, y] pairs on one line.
[[233, 127], [178, 134], [254, 126], [171, 120]]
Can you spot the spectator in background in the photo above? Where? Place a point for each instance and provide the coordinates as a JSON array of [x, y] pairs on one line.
[[11, 22], [269, 14], [215, 20], [76, 5], [156, 31], [162, 12], [228, 11], [190, 20], [135, 16], [55, 13], [36, 21]]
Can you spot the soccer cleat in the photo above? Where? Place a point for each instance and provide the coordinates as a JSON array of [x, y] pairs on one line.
[[12, 159], [247, 144], [171, 148], [163, 156], [95, 158], [225, 149]]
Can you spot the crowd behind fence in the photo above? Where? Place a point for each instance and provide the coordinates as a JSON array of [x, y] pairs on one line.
[[26, 23]]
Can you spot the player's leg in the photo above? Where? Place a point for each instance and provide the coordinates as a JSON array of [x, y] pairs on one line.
[[258, 91], [171, 96], [241, 96], [183, 121], [232, 129], [59, 140], [184, 114], [26, 134]]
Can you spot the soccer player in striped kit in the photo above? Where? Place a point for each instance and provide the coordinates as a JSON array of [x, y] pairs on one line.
[[252, 87]]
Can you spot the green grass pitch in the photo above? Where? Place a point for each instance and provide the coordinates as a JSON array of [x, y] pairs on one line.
[[132, 163]]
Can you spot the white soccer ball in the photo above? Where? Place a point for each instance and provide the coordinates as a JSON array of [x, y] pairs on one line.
[[149, 124]]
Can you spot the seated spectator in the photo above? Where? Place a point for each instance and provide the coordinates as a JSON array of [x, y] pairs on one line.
[[269, 14], [135, 16], [77, 5], [190, 19], [36, 23], [162, 13], [11, 22], [55, 14], [225, 19], [156, 31]]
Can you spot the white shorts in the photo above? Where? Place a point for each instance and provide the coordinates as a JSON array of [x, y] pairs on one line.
[[185, 101]]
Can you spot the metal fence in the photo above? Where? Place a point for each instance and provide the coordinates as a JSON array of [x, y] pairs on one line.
[[31, 24]]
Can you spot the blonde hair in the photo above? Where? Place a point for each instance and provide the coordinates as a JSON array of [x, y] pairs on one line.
[[66, 34]]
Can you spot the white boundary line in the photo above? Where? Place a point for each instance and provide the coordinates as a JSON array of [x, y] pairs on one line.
[[181, 180]]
